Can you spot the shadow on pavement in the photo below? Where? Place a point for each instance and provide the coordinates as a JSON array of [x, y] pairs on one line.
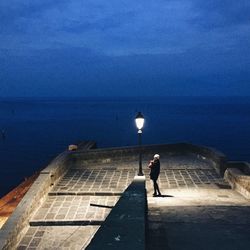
[[163, 196]]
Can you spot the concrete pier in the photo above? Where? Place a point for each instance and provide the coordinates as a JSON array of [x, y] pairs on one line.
[[83, 192]]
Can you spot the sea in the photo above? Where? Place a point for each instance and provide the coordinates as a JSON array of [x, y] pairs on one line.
[[34, 130]]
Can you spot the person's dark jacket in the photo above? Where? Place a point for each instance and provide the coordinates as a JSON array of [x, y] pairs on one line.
[[154, 169]]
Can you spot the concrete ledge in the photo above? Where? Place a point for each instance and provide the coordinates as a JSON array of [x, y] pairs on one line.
[[239, 177], [16, 225], [86, 193], [57, 165], [124, 228], [67, 223]]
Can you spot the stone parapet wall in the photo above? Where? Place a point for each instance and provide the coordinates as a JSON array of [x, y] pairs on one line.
[[122, 155], [18, 222], [58, 166], [243, 166], [238, 175]]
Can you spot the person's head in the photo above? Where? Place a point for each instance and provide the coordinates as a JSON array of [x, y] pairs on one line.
[[156, 157]]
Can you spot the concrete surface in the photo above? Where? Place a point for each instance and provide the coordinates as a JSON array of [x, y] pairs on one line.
[[203, 217], [124, 228]]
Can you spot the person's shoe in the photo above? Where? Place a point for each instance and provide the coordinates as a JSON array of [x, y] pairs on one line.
[[159, 194], [154, 194]]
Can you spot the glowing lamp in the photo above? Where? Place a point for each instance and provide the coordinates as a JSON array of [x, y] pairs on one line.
[[139, 120]]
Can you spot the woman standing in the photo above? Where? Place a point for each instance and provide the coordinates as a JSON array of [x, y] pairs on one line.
[[154, 166]]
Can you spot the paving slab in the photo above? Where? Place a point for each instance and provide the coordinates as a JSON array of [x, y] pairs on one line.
[[84, 181], [189, 178], [74, 208], [54, 237]]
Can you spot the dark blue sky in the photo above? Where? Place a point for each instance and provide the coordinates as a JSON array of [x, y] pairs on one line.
[[124, 48]]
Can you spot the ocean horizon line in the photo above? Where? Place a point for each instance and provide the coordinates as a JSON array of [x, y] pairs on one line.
[[72, 98]]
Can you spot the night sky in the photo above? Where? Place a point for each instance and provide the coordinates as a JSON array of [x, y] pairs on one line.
[[124, 48]]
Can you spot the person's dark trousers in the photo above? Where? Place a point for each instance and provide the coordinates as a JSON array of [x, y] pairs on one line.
[[156, 188]]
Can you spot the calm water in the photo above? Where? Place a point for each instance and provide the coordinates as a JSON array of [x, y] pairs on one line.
[[37, 130]]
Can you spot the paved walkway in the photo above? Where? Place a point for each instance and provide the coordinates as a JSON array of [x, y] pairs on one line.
[[200, 211], [75, 208], [94, 181]]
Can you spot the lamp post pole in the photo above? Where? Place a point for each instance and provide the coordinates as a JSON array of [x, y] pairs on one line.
[[139, 120], [140, 173]]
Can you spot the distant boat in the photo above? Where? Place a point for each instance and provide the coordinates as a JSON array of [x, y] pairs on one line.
[[3, 134]]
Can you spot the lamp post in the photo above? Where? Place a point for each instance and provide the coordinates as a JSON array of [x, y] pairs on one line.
[[139, 120]]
